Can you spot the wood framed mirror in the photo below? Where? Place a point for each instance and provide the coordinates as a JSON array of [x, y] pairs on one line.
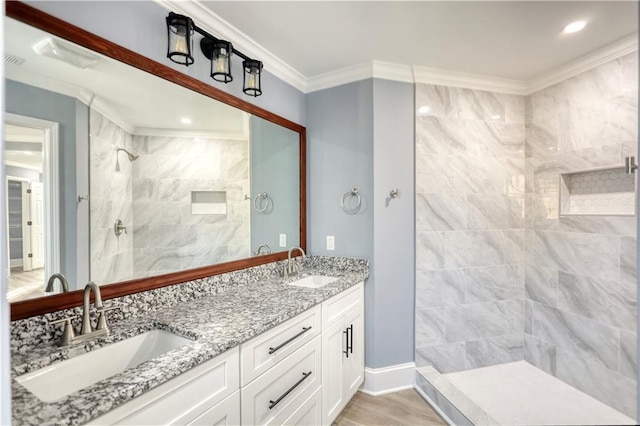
[[159, 278]]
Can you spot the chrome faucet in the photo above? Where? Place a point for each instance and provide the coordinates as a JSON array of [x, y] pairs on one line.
[[291, 268], [267, 249], [63, 283], [87, 331]]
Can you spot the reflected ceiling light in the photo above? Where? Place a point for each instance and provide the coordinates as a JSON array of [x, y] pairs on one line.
[[185, 120], [180, 31], [424, 110], [574, 27]]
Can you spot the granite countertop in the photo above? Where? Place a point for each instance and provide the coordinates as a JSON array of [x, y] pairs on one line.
[[215, 323]]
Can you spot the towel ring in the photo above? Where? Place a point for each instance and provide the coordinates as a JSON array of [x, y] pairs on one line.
[[353, 192], [261, 202]]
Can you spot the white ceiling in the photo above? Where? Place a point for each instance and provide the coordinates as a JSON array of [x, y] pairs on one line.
[[505, 39], [135, 99]]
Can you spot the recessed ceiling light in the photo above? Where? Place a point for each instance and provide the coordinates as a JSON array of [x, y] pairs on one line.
[[424, 110], [185, 120], [574, 27]]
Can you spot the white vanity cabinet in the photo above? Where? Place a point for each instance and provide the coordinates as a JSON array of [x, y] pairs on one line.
[[206, 394], [303, 371], [342, 350]]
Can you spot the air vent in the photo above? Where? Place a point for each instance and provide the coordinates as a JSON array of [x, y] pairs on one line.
[[67, 52], [13, 59]]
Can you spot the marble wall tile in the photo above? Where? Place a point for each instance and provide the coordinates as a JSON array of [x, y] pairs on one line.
[[541, 285], [528, 317], [495, 211], [608, 301], [514, 108], [431, 100], [514, 245], [613, 225], [541, 137], [494, 350], [495, 283], [441, 212], [473, 248], [628, 256], [429, 327], [603, 384], [494, 139], [629, 354], [445, 287], [578, 335], [430, 250], [441, 174], [481, 320], [445, 358], [542, 212], [440, 135], [540, 353], [591, 254]]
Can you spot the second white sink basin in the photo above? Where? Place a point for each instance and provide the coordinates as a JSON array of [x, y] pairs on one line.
[[314, 281], [56, 381]]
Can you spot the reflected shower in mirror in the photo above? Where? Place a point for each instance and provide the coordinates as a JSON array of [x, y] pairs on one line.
[[154, 178]]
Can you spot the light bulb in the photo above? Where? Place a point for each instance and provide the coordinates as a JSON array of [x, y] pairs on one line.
[[181, 45], [251, 81]]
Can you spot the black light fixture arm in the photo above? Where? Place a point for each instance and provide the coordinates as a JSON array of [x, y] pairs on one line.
[[213, 38]]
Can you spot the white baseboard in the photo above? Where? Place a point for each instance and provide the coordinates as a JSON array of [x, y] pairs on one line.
[[379, 381]]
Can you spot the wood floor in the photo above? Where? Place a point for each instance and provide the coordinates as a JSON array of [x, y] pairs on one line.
[[400, 408], [25, 285]]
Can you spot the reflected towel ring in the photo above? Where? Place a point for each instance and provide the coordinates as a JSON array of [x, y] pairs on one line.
[[347, 195], [261, 202]]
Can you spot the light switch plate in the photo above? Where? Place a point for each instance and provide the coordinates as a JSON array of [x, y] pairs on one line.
[[283, 240], [331, 242]]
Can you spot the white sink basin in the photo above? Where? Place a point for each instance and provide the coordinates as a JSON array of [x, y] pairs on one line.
[[314, 281], [56, 381]]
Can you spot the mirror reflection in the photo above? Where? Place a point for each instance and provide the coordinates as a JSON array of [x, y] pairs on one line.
[[136, 176]]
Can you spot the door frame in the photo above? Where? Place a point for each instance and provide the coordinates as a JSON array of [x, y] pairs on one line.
[[51, 184]]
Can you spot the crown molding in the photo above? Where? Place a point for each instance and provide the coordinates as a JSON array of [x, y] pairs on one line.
[[469, 81], [591, 60], [220, 28], [392, 71], [339, 77], [108, 112]]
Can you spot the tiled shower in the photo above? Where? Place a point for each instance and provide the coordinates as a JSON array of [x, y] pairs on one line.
[[501, 274]]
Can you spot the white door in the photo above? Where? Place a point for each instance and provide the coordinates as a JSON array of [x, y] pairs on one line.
[[36, 213], [26, 229]]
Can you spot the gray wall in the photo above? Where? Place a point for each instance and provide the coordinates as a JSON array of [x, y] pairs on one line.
[[275, 158], [20, 99], [352, 130], [392, 312], [141, 27]]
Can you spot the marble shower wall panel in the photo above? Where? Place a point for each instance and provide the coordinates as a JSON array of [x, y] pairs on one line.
[[111, 199], [470, 202], [580, 277], [167, 171]]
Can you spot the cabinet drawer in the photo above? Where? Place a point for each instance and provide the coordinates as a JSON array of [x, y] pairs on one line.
[[336, 307], [263, 352], [271, 396], [225, 413], [308, 413], [183, 398]]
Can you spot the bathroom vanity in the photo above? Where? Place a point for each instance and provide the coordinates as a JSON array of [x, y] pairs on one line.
[[262, 351]]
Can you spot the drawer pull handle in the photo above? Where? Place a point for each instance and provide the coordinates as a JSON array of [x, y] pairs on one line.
[[284, 395], [304, 330]]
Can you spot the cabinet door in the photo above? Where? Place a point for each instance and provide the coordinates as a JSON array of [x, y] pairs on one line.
[[333, 347], [354, 363], [224, 413]]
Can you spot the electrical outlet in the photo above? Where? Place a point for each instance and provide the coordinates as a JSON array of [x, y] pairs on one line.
[[283, 240], [331, 242]]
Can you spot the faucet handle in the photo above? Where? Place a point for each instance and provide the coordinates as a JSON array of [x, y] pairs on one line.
[[68, 334], [102, 317]]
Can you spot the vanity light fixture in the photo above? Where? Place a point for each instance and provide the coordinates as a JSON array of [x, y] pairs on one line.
[[180, 31]]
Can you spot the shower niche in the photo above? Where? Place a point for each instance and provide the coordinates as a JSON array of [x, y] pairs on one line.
[[606, 191]]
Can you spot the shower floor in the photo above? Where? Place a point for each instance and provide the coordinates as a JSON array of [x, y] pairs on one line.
[[520, 394]]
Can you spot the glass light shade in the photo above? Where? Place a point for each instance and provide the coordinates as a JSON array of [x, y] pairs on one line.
[[180, 39], [221, 61], [252, 73]]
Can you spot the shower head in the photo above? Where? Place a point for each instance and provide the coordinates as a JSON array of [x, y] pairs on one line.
[[131, 156]]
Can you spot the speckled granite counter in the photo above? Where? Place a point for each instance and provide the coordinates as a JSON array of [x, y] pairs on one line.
[[216, 323]]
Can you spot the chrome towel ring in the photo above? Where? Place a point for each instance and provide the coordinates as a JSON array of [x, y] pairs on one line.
[[353, 192], [261, 202]]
